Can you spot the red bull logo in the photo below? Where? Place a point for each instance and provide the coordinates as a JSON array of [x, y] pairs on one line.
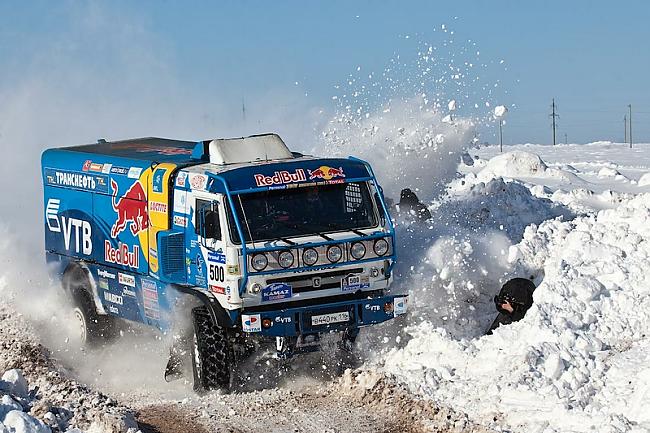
[[326, 173], [122, 255], [280, 178], [131, 209]]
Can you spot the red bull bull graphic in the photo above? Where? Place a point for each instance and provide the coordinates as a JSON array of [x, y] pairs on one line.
[[131, 209], [281, 178], [326, 173]]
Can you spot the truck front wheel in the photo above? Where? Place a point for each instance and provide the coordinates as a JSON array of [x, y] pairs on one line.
[[212, 353]]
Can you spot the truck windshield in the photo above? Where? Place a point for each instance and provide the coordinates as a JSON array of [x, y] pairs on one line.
[[276, 214]]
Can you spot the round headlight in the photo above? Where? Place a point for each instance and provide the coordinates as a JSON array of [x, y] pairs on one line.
[[259, 262], [380, 247], [358, 250], [310, 256], [334, 253], [255, 288], [285, 259]]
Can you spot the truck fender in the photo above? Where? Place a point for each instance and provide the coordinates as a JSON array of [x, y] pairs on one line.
[[218, 314], [77, 277]]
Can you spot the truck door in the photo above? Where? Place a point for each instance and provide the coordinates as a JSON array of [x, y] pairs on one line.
[[205, 233]]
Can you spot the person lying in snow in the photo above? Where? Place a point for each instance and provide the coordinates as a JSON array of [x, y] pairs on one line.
[[512, 302]]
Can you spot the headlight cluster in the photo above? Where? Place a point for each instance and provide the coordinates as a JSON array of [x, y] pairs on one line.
[[311, 256]]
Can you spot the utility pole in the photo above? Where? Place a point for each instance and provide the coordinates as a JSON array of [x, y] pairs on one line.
[[630, 107], [625, 125], [243, 110], [501, 135], [553, 116], [566, 140]]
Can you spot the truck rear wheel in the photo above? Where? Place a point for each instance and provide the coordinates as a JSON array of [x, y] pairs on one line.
[[212, 353], [93, 329]]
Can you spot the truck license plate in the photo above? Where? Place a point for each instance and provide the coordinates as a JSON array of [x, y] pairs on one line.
[[326, 319]]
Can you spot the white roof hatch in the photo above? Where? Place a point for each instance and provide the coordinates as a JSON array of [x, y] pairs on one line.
[[248, 149]]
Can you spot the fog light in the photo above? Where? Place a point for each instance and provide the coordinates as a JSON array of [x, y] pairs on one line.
[[388, 308], [285, 259], [380, 247], [266, 323], [374, 272], [358, 250], [255, 288], [334, 253]]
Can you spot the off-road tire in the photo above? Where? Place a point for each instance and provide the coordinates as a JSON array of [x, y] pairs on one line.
[[95, 329], [212, 353]]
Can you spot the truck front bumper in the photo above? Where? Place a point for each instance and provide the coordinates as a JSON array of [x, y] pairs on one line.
[[323, 318]]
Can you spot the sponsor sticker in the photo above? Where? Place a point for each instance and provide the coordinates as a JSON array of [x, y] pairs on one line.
[[134, 172], [113, 298], [276, 292], [128, 292], [96, 167], [217, 256], [86, 165], [103, 284], [156, 206], [233, 269], [72, 179], [217, 289], [280, 178], [107, 168], [355, 282], [400, 306], [198, 181], [150, 299], [122, 171], [105, 274], [157, 182], [251, 322], [126, 279], [180, 179], [326, 173], [180, 221]]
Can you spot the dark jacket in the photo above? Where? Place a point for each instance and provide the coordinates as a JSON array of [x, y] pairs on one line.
[[409, 201], [519, 293]]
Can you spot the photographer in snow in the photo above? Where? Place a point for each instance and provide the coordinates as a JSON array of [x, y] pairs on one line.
[[512, 302]]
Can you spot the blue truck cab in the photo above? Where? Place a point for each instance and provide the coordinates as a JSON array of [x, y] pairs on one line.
[[265, 242]]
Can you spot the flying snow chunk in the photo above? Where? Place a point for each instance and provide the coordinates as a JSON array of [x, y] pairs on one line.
[[452, 105], [500, 111]]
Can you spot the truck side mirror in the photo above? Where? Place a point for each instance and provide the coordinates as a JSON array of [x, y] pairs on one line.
[[211, 229]]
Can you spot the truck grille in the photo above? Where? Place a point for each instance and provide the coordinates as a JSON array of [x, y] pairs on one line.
[[305, 283]]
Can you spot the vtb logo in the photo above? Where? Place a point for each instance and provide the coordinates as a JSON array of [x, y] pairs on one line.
[[131, 209], [83, 242]]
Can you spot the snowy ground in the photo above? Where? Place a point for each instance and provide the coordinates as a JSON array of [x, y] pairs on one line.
[[578, 360], [575, 218]]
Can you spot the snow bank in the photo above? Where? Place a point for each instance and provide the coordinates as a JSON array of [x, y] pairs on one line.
[[576, 362], [523, 165]]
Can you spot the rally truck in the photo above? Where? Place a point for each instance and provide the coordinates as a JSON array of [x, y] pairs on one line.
[[267, 244]]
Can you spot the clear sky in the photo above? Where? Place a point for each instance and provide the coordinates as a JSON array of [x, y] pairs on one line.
[[78, 70]]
